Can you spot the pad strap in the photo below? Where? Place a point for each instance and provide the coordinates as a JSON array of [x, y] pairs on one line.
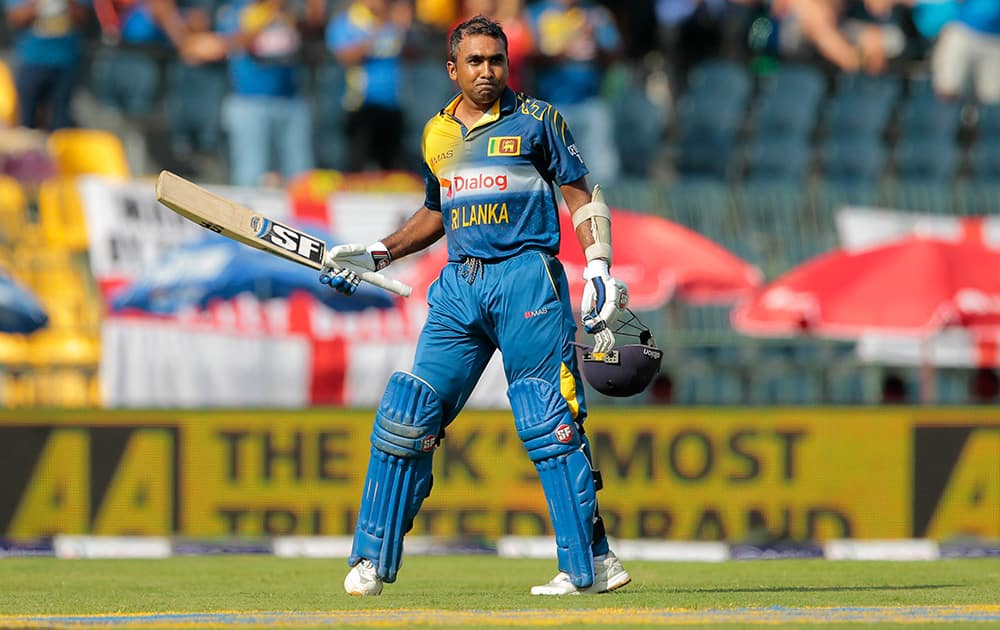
[[554, 443], [407, 424]]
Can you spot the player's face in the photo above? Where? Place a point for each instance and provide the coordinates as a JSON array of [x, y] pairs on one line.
[[480, 68]]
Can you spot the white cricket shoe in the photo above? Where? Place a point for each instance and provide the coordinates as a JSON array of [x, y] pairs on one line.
[[363, 580], [609, 575]]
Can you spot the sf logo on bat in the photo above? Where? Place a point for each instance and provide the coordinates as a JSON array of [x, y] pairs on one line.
[[288, 238]]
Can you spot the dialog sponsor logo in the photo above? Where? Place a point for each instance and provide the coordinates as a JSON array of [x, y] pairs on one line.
[[480, 181]]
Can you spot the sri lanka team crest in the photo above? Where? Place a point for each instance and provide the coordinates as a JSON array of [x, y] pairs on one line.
[[504, 145]]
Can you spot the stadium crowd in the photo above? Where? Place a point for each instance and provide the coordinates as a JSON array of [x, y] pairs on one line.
[[683, 107], [279, 87]]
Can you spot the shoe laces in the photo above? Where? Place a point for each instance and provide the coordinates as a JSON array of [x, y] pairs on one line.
[[367, 569]]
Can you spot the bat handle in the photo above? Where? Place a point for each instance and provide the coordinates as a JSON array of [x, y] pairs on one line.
[[394, 286]]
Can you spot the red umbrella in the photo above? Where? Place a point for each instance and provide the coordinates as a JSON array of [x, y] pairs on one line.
[[658, 259], [655, 257], [913, 286]]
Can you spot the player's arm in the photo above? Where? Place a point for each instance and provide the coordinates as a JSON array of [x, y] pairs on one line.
[[168, 17], [343, 262], [237, 34], [349, 45], [576, 196], [420, 231], [604, 297], [353, 54]]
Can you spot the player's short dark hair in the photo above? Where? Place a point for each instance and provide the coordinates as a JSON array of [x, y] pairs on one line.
[[478, 25]]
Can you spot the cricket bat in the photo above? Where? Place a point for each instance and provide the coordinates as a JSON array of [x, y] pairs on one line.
[[239, 223]]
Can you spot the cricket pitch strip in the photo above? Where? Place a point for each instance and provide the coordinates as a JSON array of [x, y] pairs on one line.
[[405, 618]]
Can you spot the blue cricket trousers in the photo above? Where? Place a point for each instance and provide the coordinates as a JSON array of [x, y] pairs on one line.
[[520, 306]]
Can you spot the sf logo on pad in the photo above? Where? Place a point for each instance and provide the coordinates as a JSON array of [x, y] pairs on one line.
[[564, 433]]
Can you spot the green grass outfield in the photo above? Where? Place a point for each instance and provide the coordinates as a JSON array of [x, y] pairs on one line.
[[492, 592]]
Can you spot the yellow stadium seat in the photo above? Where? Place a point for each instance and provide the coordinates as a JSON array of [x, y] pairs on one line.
[[20, 266], [65, 314], [13, 351], [76, 311], [80, 311], [57, 272], [13, 210], [8, 97], [64, 368], [60, 214], [19, 391], [14, 382], [63, 283], [64, 348], [50, 272], [88, 152], [63, 388]]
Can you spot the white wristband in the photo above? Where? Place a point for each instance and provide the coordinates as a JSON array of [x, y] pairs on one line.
[[380, 255], [597, 268]]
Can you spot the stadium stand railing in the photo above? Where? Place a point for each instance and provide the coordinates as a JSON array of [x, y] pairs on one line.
[[758, 163]]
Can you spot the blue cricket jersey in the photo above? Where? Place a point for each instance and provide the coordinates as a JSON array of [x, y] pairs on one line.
[[494, 183]]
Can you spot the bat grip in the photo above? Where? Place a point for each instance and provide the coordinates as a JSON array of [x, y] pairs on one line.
[[393, 286]]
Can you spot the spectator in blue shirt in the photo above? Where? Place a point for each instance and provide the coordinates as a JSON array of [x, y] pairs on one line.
[[576, 39], [151, 22], [47, 52], [265, 111], [968, 52], [368, 38]]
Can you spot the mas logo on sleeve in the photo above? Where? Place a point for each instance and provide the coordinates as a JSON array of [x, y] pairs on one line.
[[504, 145]]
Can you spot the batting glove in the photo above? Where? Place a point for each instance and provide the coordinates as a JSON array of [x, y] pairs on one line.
[[343, 265], [604, 300]]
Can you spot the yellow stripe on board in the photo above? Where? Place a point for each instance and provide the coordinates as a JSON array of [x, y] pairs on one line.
[[528, 618]]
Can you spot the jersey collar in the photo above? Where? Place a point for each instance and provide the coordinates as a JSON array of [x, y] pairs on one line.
[[502, 107]]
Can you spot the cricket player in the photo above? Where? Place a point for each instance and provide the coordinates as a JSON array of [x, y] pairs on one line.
[[492, 159]]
